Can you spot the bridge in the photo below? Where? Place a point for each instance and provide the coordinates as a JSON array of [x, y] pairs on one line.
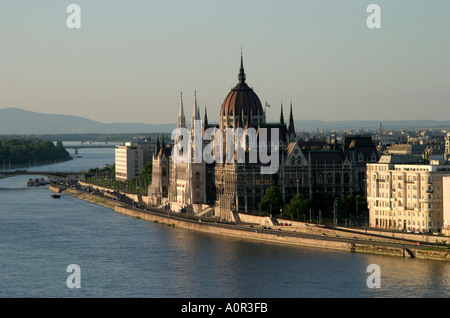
[[88, 146], [58, 174]]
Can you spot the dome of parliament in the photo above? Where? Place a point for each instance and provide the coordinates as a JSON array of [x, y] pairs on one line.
[[242, 98]]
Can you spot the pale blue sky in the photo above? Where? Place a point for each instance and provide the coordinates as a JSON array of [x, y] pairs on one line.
[[130, 59]]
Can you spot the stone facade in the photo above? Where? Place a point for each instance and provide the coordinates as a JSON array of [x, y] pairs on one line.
[[405, 193]]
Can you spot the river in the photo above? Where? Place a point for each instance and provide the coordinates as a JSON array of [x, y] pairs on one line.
[[120, 256]]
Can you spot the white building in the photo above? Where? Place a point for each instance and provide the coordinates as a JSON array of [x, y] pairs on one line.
[[404, 193], [129, 159], [446, 199]]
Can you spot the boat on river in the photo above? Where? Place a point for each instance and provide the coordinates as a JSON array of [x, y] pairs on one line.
[[39, 182]]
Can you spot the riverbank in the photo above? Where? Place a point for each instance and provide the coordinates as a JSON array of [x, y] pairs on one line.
[[108, 203], [309, 236], [34, 164]]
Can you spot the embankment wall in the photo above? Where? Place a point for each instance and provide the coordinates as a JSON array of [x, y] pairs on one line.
[[260, 235], [254, 235]]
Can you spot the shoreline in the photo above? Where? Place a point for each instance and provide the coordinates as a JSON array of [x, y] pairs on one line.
[[37, 164], [333, 239]]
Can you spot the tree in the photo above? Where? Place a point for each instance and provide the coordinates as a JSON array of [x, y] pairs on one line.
[[348, 203], [298, 207], [272, 200], [24, 150], [146, 172]]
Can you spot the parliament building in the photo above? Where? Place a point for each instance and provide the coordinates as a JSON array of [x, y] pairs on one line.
[[318, 170]]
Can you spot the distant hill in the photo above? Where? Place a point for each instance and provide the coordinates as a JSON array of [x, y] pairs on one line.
[[19, 121]]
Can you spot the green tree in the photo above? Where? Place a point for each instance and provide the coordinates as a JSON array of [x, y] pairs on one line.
[[348, 204], [298, 207], [146, 173], [272, 200], [23, 150]]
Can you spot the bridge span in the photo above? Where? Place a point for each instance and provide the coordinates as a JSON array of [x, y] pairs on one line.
[[58, 174], [88, 146]]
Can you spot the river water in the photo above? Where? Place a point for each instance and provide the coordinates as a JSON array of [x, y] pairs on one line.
[[120, 256]]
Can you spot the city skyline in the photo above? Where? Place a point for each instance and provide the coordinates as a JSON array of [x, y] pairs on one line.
[[129, 63]]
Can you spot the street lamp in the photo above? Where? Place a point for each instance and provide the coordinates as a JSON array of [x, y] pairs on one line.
[[357, 204], [365, 219], [335, 212]]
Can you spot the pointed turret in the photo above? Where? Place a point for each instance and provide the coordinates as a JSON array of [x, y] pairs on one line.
[[241, 76], [205, 122], [291, 129], [162, 151], [195, 110], [181, 120], [281, 115], [157, 147]]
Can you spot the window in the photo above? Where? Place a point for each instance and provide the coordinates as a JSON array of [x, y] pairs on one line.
[[320, 178], [337, 177]]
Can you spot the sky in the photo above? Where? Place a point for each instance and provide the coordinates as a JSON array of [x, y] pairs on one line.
[[130, 60]]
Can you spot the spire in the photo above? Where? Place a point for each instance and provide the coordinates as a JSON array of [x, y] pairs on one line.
[[241, 76], [157, 147], [181, 120], [162, 151], [205, 121], [291, 128], [195, 113], [181, 111], [281, 115], [206, 117]]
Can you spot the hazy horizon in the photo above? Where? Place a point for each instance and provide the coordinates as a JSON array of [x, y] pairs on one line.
[[129, 61], [15, 121]]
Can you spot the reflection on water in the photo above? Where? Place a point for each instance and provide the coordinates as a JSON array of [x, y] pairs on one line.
[[120, 256], [412, 277]]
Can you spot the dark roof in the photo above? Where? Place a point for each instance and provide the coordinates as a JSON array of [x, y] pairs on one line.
[[312, 144], [401, 159], [325, 156], [242, 99], [360, 144]]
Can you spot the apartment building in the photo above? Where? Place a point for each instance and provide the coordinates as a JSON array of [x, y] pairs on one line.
[[446, 198], [405, 193]]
